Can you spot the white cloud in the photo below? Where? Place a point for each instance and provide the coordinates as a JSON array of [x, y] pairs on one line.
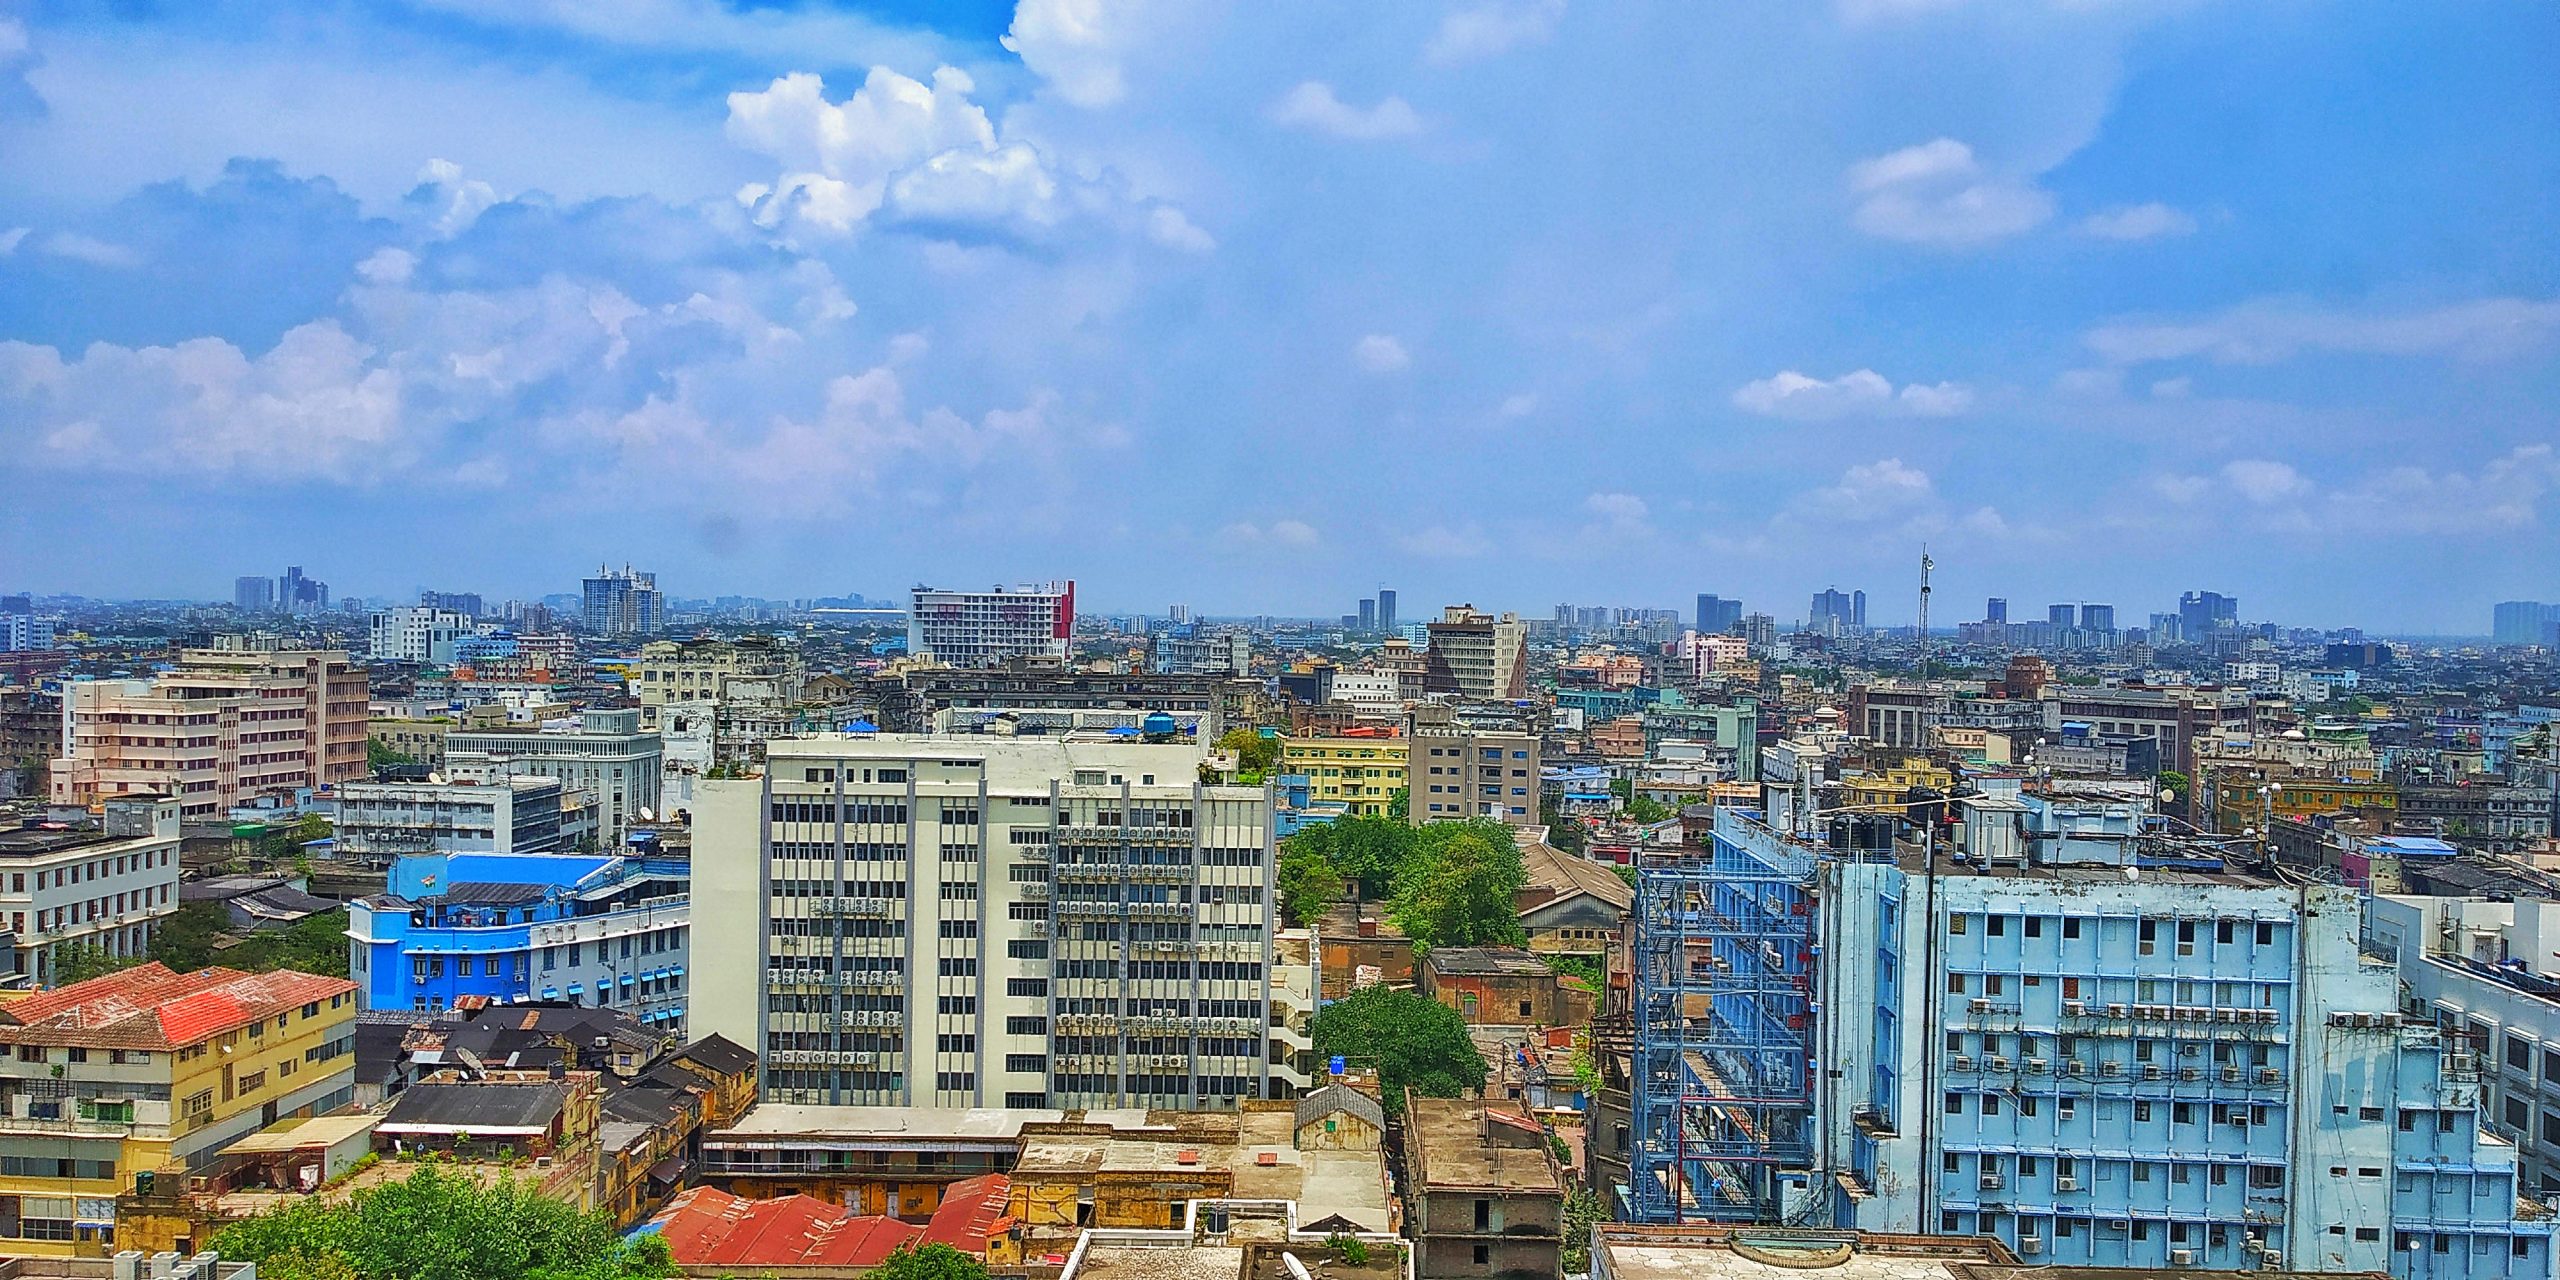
[[9, 239], [1440, 542], [1519, 405], [455, 201], [1279, 533], [89, 249], [1805, 398], [767, 33], [838, 158], [2138, 222], [1076, 45], [1482, 30], [1380, 353], [1870, 492], [1938, 193], [1312, 105], [1617, 508], [2270, 331], [2262, 481], [387, 266], [1169, 227]]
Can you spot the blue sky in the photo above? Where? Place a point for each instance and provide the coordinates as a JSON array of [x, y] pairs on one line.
[[1260, 306]]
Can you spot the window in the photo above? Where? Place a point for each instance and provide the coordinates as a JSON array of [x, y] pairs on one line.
[[2033, 926], [2071, 926]]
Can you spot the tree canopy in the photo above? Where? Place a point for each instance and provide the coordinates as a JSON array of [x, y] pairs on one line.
[[1461, 889], [1309, 884], [187, 940], [931, 1262], [442, 1225], [1254, 753], [1412, 1040]]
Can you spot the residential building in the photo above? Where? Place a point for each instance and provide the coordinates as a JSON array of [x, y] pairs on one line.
[[624, 603], [1702, 653], [2202, 613], [1476, 655], [613, 932], [604, 753], [709, 1231], [104, 886], [146, 1071], [1025, 922], [222, 726], [299, 595], [1483, 1195], [1359, 771], [2145, 1056], [987, 628], [1455, 771], [884, 1160], [1835, 611], [1718, 616], [2522, 622], [415, 739], [417, 633], [1499, 987], [381, 821], [25, 633], [2182, 719], [747, 670], [1196, 648], [1387, 610], [254, 595]]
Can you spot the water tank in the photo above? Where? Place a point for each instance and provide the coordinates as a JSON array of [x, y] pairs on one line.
[[1157, 724]]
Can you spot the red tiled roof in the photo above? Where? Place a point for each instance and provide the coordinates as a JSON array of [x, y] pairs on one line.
[[972, 1211], [151, 1007], [708, 1227]]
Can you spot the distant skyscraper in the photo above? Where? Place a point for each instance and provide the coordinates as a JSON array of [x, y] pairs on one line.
[[2062, 616], [1837, 609], [2201, 612], [1179, 614], [255, 594], [1368, 614], [1995, 609], [1717, 615], [626, 603], [298, 594], [466, 603], [2522, 621], [1858, 608], [2097, 617], [1386, 610]]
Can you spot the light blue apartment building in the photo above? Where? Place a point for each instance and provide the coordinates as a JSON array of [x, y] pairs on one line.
[[2155, 1061], [603, 930]]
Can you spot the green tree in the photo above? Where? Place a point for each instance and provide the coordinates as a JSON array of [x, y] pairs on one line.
[[1367, 851], [194, 935], [1412, 1040], [1563, 833], [379, 755], [439, 1225], [931, 1262], [1254, 753], [1628, 874], [79, 962], [1648, 810], [2174, 781], [1461, 888], [1400, 804], [1309, 883], [1582, 1211]]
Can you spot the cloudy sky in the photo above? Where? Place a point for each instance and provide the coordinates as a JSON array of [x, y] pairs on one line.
[[1259, 306]]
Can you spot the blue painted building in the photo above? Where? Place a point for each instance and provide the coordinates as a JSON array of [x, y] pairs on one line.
[[603, 930], [2161, 1061]]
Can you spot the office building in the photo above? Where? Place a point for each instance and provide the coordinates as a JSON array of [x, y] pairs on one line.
[[623, 603], [1454, 771], [612, 932], [986, 628], [1387, 610], [1025, 922], [301, 596], [2482, 971], [1476, 655], [25, 633], [466, 603], [222, 726], [1836, 611], [149, 1071], [378, 822], [605, 754], [2178, 717], [102, 886], [2522, 622], [1368, 615], [2201, 613], [2218, 1077], [253, 594], [1198, 649], [1717, 615], [1360, 772], [1995, 611], [417, 633]]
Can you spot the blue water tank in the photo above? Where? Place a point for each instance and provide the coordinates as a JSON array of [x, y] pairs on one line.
[[1156, 723]]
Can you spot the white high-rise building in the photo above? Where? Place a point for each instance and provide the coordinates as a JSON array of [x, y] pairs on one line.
[[985, 628], [416, 633], [1024, 922]]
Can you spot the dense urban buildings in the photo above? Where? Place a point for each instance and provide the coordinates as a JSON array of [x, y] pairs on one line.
[[220, 727], [602, 753], [100, 886], [622, 602], [1475, 654]]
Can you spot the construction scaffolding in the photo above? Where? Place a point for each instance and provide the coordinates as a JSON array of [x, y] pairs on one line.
[[1723, 1011]]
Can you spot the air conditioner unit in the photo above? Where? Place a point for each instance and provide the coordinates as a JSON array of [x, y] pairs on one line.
[[2182, 1257], [2030, 1244], [2152, 1071], [2065, 1183], [1995, 1064], [2115, 1011], [2038, 1065], [1960, 1063], [2231, 1075], [2271, 1257], [2110, 1068], [1978, 1006], [2270, 1075], [2074, 1067], [2075, 1008], [2191, 1073], [1992, 1182]]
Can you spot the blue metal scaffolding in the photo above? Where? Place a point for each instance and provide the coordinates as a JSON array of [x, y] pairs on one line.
[[1723, 1016]]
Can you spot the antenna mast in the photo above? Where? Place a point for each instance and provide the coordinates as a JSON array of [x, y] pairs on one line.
[[1926, 564]]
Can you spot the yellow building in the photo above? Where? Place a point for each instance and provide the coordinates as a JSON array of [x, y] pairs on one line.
[[1890, 784], [146, 1070], [1362, 773], [2241, 800]]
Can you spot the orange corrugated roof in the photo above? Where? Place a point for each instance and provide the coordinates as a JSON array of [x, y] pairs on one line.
[[151, 1007], [708, 1227], [971, 1209]]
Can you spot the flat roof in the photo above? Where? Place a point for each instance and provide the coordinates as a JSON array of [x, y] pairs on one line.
[[768, 1122], [319, 1131], [1455, 1152]]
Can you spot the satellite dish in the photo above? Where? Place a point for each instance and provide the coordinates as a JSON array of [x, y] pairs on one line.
[[435, 779], [646, 816]]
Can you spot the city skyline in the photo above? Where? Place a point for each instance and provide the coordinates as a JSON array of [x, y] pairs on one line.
[[2088, 297]]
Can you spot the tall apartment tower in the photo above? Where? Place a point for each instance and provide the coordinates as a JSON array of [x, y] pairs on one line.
[[1477, 655], [253, 594], [1025, 922], [1387, 610], [988, 628], [2097, 617], [623, 603], [222, 726], [1995, 609], [1717, 615], [1368, 614], [2063, 617]]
